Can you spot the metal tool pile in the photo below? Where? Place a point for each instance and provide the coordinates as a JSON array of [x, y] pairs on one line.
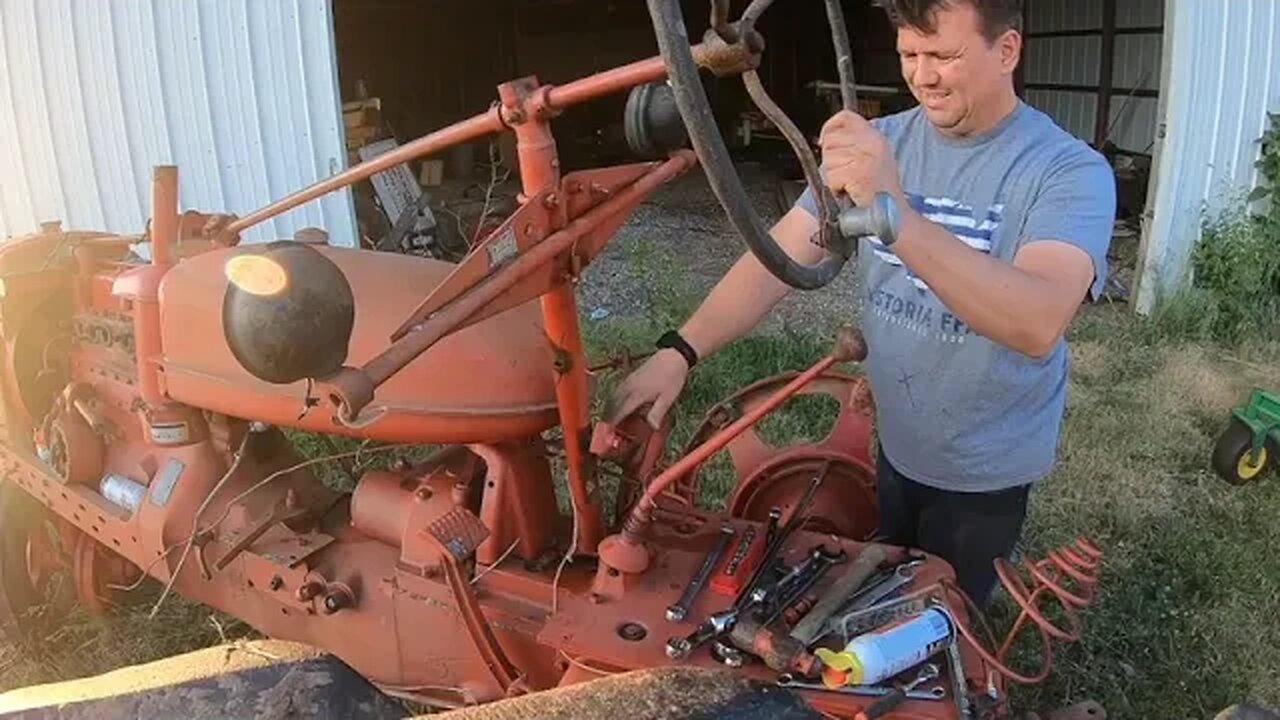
[[776, 618]]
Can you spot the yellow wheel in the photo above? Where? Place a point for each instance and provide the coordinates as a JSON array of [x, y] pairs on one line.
[[1250, 469], [1233, 457]]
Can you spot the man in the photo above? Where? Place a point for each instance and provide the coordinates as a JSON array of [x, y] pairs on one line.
[[1006, 220]]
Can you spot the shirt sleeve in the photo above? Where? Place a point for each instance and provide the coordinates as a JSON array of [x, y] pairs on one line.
[[1076, 205]]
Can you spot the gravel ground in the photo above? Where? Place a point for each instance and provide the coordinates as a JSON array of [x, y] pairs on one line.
[[680, 240]]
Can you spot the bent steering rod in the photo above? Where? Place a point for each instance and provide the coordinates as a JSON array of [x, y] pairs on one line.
[[836, 230]]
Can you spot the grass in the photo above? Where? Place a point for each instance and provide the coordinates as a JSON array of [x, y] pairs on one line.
[[1184, 624]]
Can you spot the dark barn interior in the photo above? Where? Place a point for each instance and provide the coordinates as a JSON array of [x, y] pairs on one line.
[[433, 63]]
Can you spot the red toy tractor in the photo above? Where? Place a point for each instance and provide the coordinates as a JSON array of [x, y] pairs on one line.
[[144, 403]]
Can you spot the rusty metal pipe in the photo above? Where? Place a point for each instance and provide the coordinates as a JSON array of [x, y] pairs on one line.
[[558, 97], [849, 346], [717, 442], [164, 214], [465, 131], [606, 82], [449, 318]]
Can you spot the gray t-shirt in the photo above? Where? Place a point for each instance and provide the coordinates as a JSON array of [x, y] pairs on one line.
[[955, 410]]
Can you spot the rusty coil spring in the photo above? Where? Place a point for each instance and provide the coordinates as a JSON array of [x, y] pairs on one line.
[[1068, 574]]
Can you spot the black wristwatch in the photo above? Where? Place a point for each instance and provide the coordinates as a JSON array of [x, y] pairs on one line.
[[672, 339]]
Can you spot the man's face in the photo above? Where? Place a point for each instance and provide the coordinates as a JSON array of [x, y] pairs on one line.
[[955, 74]]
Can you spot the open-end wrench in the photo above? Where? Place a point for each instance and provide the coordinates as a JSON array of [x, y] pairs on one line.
[[900, 576], [886, 704], [798, 516], [879, 589], [787, 680], [679, 611], [958, 681], [811, 625], [714, 626], [799, 579]]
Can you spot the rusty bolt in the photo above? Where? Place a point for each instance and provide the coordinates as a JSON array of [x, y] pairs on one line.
[[335, 601], [596, 598], [276, 583], [422, 493], [551, 200], [308, 590]]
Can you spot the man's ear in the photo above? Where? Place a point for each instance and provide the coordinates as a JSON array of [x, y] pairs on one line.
[[1010, 45]]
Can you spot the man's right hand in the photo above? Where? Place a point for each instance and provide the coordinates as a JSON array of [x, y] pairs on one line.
[[658, 381]]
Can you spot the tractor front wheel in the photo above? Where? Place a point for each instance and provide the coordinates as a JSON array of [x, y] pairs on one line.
[[32, 581], [1233, 457]]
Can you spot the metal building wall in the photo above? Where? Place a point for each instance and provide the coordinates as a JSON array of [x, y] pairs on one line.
[[242, 95], [1063, 67], [1221, 78]]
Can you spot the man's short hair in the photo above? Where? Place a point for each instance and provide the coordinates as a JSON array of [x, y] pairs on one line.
[[996, 16]]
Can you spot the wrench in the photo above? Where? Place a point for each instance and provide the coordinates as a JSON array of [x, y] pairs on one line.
[[955, 667], [811, 625], [901, 576], [798, 581], [679, 611], [958, 681], [715, 625], [775, 514], [886, 704], [787, 680]]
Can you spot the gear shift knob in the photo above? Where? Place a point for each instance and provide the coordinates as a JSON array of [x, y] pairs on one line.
[[881, 219]]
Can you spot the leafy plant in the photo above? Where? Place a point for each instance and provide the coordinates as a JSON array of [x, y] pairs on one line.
[[1237, 261], [1269, 165]]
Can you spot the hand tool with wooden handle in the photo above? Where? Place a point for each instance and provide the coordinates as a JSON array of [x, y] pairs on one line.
[[811, 624]]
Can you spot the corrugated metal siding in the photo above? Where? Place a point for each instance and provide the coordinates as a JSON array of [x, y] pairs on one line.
[[1222, 77], [1137, 61], [1060, 15], [1064, 60], [241, 95], [1132, 122], [1140, 13], [1073, 111]]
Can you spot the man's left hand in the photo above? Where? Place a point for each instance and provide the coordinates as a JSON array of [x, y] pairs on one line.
[[857, 159]]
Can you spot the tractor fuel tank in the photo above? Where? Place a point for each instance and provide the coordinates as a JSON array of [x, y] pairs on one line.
[[490, 381]]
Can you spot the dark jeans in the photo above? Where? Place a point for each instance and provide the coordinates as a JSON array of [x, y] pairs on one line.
[[968, 530]]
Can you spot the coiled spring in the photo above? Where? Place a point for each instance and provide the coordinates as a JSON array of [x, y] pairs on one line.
[[1068, 574]]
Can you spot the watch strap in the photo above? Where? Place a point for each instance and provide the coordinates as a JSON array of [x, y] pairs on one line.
[[673, 340]]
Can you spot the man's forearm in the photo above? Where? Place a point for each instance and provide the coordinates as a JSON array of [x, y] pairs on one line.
[[736, 305], [749, 291], [997, 299]]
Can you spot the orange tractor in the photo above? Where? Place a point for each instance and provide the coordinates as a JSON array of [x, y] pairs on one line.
[[145, 403]]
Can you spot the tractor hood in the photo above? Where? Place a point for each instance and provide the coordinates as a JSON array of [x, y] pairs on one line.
[[491, 381]]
